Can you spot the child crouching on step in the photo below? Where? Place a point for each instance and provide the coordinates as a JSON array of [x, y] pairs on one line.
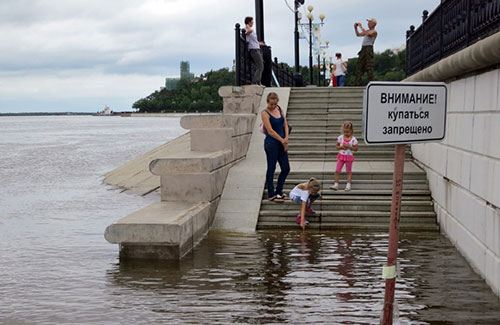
[[305, 194], [347, 145]]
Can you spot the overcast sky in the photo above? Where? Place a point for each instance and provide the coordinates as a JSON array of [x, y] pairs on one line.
[[79, 55]]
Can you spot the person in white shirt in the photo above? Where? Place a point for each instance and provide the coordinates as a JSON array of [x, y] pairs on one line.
[[305, 194], [346, 144], [340, 69], [254, 49]]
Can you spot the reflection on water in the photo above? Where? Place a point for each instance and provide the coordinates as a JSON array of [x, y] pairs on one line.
[[56, 267], [294, 277]]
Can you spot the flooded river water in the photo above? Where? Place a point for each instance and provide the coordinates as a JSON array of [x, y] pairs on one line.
[[57, 268]]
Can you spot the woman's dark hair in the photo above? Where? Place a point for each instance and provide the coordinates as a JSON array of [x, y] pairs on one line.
[[248, 20], [338, 55]]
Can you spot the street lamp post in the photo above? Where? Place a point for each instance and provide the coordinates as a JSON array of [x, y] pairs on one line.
[[297, 77], [322, 51], [324, 71], [310, 18], [319, 69], [310, 25], [296, 36]]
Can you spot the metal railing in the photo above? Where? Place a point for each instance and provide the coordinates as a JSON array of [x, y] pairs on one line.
[[243, 64], [452, 26], [283, 74]]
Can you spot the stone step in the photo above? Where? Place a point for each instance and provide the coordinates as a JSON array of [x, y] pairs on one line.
[[325, 97], [331, 146], [334, 121], [333, 153], [364, 185], [331, 91], [332, 159], [324, 105], [303, 102], [358, 178], [323, 219], [362, 198], [332, 113], [329, 119], [349, 205], [328, 123], [327, 193], [354, 216], [348, 226], [326, 90], [357, 175]]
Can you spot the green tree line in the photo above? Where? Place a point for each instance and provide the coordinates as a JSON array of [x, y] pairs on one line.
[[201, 94]]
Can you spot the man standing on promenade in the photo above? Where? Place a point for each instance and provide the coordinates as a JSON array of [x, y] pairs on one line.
[[365, 56], [254, 49], [340, 69]]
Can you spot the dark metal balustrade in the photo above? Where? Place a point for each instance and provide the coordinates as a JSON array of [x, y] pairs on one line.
[[452, 26], [243, 64]]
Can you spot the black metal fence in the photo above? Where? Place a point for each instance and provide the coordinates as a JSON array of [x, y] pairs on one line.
[[244, 64], [454, 25], [283, 74]]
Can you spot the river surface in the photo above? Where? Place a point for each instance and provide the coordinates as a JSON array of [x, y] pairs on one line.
[[56, 267]]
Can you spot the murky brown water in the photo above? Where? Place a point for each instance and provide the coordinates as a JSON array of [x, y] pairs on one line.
[[56, 267]]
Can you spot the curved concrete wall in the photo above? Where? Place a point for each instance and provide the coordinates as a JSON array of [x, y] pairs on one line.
[[464, 170]]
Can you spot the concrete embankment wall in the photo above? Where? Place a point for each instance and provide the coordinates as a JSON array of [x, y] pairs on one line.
[[190, 172], [464, 170]]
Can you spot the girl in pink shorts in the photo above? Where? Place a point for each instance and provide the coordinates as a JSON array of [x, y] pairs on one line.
[[346, 144]]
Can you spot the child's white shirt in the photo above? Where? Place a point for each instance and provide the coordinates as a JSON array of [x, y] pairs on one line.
[[352, 143], [297, 192]]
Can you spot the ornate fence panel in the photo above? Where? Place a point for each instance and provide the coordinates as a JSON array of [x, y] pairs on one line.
[[432, 37], [243, 63], [283, 74], [454, 25]]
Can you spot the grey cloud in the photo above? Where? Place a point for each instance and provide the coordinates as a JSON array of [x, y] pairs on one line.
[[150, 37]]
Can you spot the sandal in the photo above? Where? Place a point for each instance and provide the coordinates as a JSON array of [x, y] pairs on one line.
[[276, 198]]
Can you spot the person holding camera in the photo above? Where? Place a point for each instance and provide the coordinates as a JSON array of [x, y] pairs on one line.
[[365, 56]]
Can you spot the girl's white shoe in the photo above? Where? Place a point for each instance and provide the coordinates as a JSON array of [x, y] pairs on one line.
[[348, 187], [335, 186]]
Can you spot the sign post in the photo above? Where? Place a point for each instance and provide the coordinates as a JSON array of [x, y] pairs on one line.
[[400, 113]]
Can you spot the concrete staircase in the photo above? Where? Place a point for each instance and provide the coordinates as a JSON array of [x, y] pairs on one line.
[[316, 115]]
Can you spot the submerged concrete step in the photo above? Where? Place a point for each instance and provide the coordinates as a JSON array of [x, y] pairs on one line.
[[354, 219], [376, 227]]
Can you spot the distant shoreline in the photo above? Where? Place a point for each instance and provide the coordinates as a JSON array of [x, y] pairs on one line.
[[124, 114], [48, 114]]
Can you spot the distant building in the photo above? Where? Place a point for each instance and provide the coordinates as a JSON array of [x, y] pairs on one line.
[[171, 83], [186, 71], [106, 111], [185, 74]]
